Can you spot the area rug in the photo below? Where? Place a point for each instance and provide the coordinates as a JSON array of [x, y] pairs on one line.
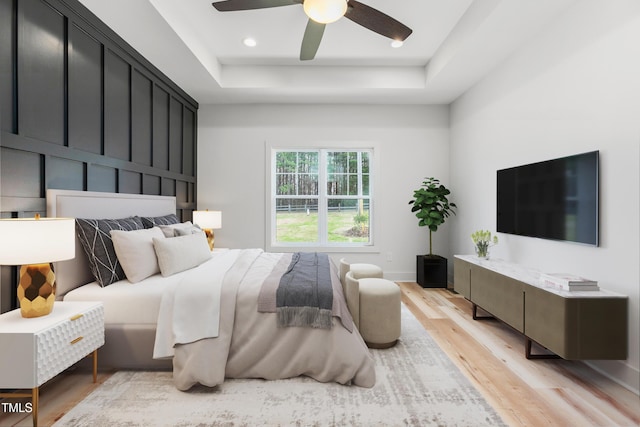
[[417, 385]]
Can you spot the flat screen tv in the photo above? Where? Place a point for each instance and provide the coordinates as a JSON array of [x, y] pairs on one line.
[[554, 199]]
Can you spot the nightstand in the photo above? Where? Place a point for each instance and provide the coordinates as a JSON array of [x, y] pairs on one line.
[[37, 349]]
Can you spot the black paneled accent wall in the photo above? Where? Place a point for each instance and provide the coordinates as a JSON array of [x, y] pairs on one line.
[[80, 109]]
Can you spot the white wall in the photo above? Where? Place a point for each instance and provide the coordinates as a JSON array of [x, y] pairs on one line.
[[574, 88], [413, 143]]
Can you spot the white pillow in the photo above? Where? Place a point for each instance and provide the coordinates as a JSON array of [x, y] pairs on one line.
[[181, 229], [192, 229], [135, 252], [181, 253]]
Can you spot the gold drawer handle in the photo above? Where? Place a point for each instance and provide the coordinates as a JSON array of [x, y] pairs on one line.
[[76, 340], [77, 316]]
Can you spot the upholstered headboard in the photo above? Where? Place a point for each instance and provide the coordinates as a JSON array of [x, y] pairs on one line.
[[90, 204]]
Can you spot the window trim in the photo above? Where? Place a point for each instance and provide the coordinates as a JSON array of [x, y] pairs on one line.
[[270, 149]]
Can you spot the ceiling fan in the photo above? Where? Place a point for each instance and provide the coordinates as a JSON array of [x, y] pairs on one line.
[[323, 12]]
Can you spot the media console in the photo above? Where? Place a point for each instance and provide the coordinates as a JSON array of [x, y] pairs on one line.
[[586, 325]]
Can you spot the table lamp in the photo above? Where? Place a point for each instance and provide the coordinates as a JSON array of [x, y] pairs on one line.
[[33, 243], [208, 221]]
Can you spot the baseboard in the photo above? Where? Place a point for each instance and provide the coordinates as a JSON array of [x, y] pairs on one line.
[[620, 372], [400, 276]]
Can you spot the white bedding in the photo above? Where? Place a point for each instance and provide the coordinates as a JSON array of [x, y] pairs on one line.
[[131, 303], [251, 345], [190, 308], [122, 300]]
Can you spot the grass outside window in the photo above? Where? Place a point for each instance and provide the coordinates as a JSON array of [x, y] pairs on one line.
[[297, 227]]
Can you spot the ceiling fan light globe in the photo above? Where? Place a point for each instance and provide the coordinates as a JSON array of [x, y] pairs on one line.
[[325, 11]]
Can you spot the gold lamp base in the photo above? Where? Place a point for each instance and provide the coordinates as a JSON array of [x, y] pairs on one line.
[[36, 290], [210, 237]]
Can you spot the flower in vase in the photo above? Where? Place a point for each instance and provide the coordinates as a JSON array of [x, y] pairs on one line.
[[482, 240]]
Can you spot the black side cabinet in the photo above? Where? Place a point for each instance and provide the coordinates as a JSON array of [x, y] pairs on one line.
[[431, 271]]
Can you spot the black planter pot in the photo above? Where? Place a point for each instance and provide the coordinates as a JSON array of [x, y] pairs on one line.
[[431, 271]]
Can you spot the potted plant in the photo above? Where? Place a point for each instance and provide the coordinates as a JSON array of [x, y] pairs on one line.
[[432, 207], [482, 241]]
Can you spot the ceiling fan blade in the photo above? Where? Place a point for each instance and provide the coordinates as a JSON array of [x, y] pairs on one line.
[[231, 5], [311, 41], [376, 21]]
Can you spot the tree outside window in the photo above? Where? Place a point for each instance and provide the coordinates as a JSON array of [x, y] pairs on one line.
[[322, 197]]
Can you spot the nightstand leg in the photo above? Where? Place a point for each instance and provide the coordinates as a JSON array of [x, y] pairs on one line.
[[35, 397], [95, 366]]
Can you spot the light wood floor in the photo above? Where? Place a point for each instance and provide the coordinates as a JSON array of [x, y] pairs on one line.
[[550, 392], [524, 392]]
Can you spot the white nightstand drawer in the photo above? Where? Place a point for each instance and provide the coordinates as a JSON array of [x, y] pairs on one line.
[[66, 343], [35, 350]]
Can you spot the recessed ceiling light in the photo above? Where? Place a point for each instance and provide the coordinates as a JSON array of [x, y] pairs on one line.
[[249, 42], [397, 43]]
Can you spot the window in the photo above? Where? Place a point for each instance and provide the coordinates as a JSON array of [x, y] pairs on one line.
[[321, 197]]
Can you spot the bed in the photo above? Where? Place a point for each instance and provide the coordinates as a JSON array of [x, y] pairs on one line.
[[249, 343]]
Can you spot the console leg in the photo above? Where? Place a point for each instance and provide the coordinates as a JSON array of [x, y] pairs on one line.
[[476, 317], [529, 355]]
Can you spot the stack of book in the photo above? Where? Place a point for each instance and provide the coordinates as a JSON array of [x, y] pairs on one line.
[[568, 282]]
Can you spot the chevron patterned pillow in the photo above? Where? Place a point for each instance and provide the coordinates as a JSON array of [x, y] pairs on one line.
[[97, 244]]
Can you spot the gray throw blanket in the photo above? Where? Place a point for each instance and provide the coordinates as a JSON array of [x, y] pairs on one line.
[[305, 295]]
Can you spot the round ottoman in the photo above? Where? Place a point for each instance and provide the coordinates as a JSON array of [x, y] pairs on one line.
[[359, 270], [379, 312]]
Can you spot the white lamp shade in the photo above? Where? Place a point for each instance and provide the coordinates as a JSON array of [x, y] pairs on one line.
[[26, 241], [325, 11], [211, 220]]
